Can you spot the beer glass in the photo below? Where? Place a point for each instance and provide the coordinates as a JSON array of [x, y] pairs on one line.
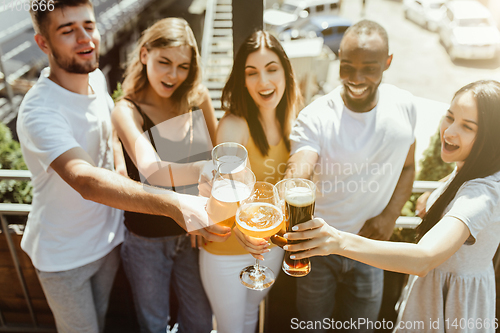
[[230, 187], [231, 153], [259, 217], [300, 196]]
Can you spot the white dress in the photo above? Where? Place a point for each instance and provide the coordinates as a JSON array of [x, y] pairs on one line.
[[459, 295]]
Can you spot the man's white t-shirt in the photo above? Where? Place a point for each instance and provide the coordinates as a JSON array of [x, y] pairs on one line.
[[65, 231], [361, 155]]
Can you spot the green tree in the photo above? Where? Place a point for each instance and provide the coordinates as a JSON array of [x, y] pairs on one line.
[[12, 191], [118, 92], [432, 166]]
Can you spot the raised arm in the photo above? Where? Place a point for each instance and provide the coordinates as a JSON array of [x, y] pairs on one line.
[[381, 226], [128, 124], [301, 164], [437, 245], [119, 159], [76, 168]]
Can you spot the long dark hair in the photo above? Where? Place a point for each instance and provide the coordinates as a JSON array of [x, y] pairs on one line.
[[484, 157], [236, 99]]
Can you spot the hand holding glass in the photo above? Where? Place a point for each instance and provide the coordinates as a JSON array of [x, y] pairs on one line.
[[259, 217], [230, 187]]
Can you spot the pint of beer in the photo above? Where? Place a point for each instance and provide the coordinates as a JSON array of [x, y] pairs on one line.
[[229, 189], [300, 195]]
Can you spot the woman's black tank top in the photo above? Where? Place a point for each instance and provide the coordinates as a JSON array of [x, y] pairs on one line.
[[147, 225]]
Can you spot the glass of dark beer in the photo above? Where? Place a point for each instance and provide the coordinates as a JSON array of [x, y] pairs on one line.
[[300, 196]]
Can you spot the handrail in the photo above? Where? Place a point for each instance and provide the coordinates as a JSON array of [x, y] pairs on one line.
[[22, 210], [419, 186], [15, 174], [207, 29]]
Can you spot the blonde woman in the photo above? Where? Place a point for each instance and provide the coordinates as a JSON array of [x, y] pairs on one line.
[[161, 89]]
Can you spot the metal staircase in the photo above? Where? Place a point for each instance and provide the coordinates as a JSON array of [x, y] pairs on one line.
[[217, 49]]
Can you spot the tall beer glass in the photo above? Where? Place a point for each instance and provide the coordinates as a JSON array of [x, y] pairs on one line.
[[300, 196], [259, 217], [231, 153], [230, 187]]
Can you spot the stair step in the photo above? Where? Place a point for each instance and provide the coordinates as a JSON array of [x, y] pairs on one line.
[[222, 39], [3, 101], [223, 24], [223, 8], [219, 59], [219, 113], [8, 111], [218, 64], [222, 52], [223, 16], [226, 55], [217, 76], [212, 85], [215, 94], [228, 48], [217, 69], [223, 32], [217, 104]]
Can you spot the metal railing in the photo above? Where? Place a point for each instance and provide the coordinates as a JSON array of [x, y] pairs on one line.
[[419, 186], [19, 210]]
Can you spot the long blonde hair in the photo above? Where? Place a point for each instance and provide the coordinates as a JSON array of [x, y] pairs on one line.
[[168, 32]]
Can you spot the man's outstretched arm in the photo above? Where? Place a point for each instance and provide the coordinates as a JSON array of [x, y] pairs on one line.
[[103, 186]]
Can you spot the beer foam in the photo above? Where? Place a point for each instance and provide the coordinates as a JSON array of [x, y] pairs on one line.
[[299, 196], [230, 190], [259, 216]]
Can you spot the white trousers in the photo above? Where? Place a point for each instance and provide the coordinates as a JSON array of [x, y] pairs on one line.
[[235, 306]]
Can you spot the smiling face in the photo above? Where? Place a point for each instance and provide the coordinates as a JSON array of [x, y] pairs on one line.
[[72, 41], [459, 129], [363, 60], [265, 78], [167, 68]]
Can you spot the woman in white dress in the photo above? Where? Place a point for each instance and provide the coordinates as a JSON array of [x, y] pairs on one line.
[[452, 282]]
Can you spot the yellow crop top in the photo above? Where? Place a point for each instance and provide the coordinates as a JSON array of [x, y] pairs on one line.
[[270, 168]]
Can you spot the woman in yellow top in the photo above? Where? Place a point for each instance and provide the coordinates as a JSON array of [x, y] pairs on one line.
[[261, 100]]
